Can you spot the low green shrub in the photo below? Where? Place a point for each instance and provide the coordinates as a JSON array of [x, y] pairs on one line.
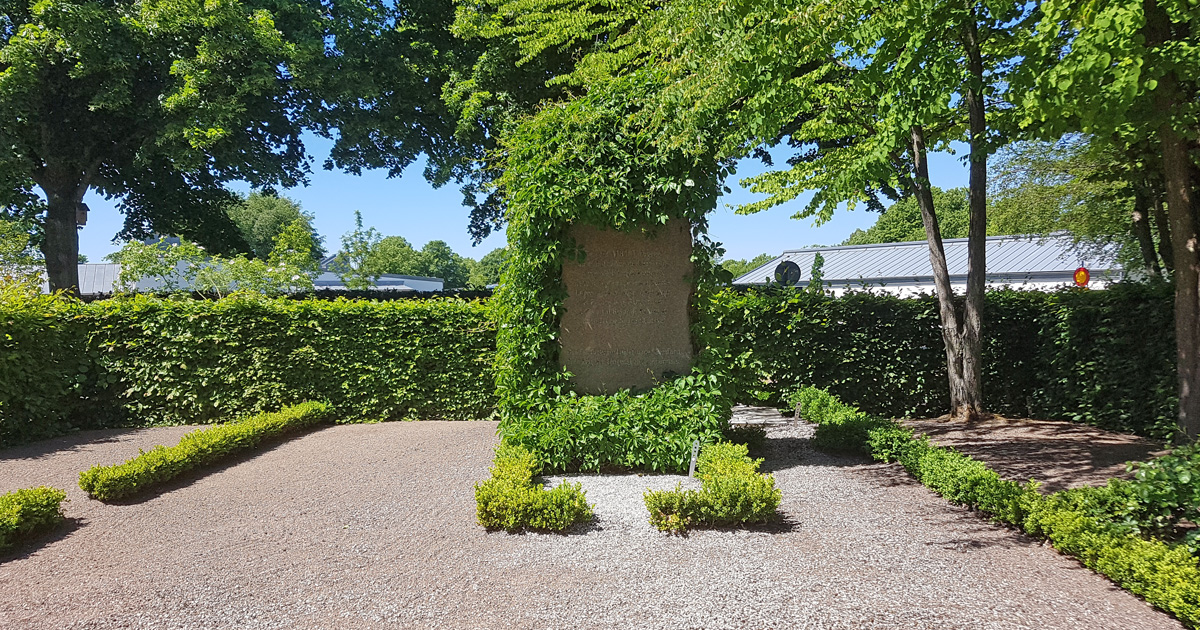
[[29, 511], [841, 428], [1165, 575], [196, 449], [732, 491], [1099, 526], [956, 477], [651, 431], [510, 499], [1165, 491]]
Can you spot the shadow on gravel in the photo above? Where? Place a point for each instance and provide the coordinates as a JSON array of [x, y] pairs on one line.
[[973, 530], [188, 478], [784, 453], [967, 545], [890, 475], [67, 443], [976, 529], [785, 524], [27, 546]]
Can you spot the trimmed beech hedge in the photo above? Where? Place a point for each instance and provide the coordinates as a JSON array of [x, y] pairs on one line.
[[512, 501], [732, 492], [1105, 358], [142, 360], [201, 447], [1101, 357], [47, 369], [1077, 522], [192, 361], [28, 512]]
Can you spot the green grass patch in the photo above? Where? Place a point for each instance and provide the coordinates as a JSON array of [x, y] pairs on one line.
[[199, 448]]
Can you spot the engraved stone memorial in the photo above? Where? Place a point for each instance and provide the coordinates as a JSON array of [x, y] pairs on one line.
[[626, 322]]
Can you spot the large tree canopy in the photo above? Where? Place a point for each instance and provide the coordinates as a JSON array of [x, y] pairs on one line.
[[1129, 70], [902, 220], [261, 218], [382, 86], [157, 103]]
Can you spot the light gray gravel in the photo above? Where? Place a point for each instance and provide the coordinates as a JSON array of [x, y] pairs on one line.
[[372, 526]]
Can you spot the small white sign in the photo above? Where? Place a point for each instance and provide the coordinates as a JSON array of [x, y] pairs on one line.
[[695, 454]]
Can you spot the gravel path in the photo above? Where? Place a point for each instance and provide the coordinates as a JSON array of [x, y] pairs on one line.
[[372, 526]]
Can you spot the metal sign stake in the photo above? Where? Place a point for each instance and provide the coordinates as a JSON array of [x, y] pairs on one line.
[[695, 454]]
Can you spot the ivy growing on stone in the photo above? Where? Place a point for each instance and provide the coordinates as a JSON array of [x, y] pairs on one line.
[[586, 162]]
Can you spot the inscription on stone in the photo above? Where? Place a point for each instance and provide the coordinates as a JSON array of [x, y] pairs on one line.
[[626, 318]]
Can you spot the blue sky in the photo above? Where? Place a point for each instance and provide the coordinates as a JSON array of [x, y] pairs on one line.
[[408, 206]]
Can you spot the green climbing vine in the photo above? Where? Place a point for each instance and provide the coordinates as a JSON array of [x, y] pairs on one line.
[[585, 162]]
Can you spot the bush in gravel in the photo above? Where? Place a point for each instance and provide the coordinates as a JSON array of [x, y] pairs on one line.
[[510, 499], [1166, 491], [732, 492], [198, 448], [29, 511], [1096, 525]]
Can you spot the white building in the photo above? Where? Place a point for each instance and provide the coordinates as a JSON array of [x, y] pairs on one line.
[[101, 279], [1020, 262]]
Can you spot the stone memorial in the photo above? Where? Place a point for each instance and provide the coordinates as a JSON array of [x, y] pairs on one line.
[[626, 322]]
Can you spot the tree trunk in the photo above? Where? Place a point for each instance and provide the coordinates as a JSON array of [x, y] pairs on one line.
[[951, 329], [971, 406], [1141, 229], [1185, 235], [1162, 225], [61, 243]]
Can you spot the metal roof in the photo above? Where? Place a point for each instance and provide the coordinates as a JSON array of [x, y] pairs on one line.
[[387, 281], [95, 278], [101, 278], [326, 265], [1007, 256]]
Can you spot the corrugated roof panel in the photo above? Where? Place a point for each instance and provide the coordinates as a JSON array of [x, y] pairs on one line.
[[838, 264], [1028, 256], [911, 261], [95, 278], [956, 261], [1013, 255], [1004, 254], [1055, 258]]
